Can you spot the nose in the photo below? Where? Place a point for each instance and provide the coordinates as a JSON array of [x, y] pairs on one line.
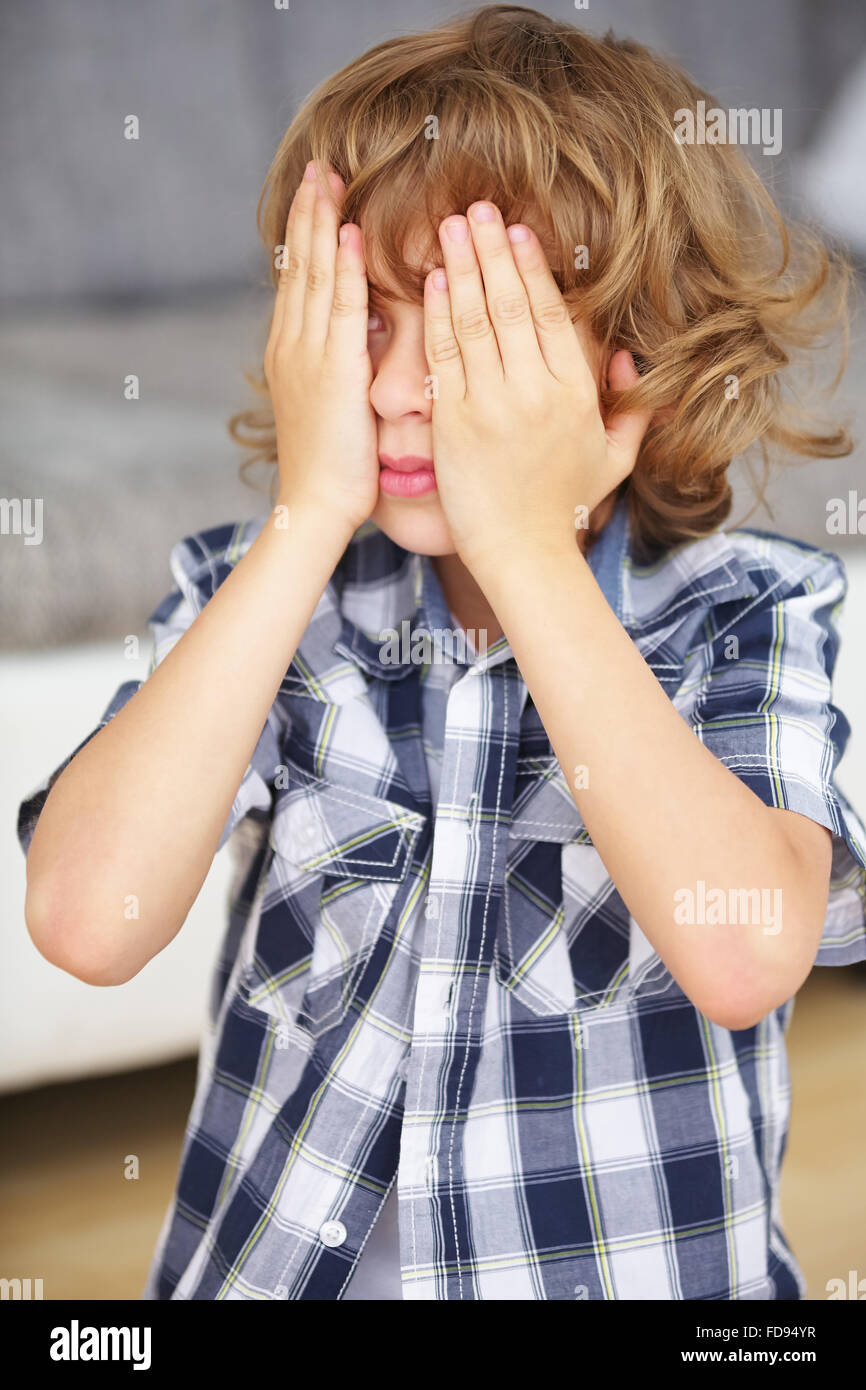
[[402, 385]]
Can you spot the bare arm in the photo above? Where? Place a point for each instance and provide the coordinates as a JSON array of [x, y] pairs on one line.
[[140, 809], [662, 811]]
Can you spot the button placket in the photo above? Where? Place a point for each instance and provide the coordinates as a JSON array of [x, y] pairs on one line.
[[467, 839]]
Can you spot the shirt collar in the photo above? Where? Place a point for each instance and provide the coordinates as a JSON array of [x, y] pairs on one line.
[[378, 587], [385, 592]]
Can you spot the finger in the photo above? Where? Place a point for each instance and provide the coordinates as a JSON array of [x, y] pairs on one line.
[[440, 342], [507, 299], [347, 329], [559, 343], [625, 431], [323, 250], [472, 327], [291, 283]]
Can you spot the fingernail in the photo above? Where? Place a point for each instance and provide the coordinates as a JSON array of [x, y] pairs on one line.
[[440, 279], [344, 233], [483, 212], [458, 229], [310, 171], [518, 233]]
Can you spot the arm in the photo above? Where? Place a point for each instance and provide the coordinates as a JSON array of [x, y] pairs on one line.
[[118, 821], [662, 811], [518, 440]]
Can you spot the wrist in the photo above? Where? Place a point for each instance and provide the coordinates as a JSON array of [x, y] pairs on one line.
[[314, 517], [507, 559], [303, 533]]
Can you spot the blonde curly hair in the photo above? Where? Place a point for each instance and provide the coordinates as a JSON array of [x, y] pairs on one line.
[[688, 263]]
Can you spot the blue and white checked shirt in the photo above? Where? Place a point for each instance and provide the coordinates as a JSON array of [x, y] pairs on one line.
[[429, 980]]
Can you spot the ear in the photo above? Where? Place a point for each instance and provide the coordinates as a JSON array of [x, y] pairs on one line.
[[625, 431], [664, 414]]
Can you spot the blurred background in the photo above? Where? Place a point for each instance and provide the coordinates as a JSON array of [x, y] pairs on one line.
[[141, 257]]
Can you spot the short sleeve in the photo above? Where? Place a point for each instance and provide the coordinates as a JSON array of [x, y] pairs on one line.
[[199, 564], [763, 705]]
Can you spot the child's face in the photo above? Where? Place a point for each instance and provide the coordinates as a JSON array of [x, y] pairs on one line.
[[404, 413]]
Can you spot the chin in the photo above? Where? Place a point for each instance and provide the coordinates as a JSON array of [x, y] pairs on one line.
[[418, 524]]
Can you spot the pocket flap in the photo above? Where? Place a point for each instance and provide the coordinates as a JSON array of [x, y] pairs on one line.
[[323, 828], [544, 808]]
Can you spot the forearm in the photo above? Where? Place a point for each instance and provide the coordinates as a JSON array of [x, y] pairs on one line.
[[663, 813], [137, 814]]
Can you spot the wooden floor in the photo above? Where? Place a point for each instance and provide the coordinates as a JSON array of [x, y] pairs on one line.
[[70, 1217]]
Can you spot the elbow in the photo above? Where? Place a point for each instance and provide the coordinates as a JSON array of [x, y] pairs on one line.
[[61, 941], [737, 1014], [739, 988], [743, 1004], [88, 967]]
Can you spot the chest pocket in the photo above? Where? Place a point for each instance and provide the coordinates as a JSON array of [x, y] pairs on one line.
[[340, 860], [566, 941]]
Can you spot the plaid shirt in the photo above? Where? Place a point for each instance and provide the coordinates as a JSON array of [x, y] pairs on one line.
[[428, 978]]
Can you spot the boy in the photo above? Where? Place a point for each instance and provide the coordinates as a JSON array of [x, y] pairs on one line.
[[515, 937]]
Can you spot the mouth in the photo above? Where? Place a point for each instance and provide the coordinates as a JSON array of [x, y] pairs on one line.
[[407, 476]]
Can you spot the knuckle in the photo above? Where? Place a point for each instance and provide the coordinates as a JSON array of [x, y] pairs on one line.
[[510, 307], [473, 323], [344, 302], [317, 276], [498, 250], [444, 348], [294, 269], [552, 314]]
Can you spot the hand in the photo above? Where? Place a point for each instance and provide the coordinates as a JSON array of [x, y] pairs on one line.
[[317, 365], [518, 438]]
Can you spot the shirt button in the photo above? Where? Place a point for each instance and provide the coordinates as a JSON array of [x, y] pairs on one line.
[[431, 907], [332, 1233], [309, 833]]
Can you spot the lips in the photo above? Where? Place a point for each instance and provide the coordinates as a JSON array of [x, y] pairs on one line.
[[407, 476], [408, 463]]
